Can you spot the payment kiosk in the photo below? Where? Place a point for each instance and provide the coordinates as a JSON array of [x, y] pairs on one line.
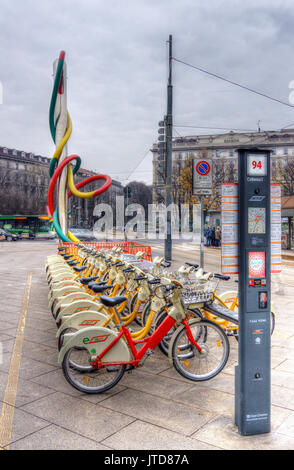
[[252, 375]]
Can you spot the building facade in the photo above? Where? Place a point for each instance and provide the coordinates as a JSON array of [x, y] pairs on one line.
[[24, 182], [222, 148]]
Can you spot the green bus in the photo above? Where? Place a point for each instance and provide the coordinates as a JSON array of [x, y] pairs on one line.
[[28, 226]]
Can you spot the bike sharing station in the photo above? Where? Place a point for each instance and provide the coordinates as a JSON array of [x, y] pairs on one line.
[[96, 292], [251, 221], [251, 248]]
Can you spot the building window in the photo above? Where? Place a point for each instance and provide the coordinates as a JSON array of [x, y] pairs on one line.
[[217, 153], [14, 152], [231, 153], [5, 150], [285, 151], [23, 154], [274, 152]]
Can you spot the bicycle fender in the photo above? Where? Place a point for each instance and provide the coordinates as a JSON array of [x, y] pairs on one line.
[[84, 320], [79, 306], [61, 278], [71, 298], [172, 340], [60, 285], [60, 294], [56, 285], [96, 339], [53, 270], [231, 295]]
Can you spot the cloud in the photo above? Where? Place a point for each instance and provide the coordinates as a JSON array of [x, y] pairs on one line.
[[117, 70]]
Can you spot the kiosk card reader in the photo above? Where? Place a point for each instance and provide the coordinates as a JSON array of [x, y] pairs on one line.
[[252, 375]]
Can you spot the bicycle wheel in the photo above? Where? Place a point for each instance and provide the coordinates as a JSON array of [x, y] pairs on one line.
[[164, 343], [273, 322], [105, 276], [133, 302], [206, 364], [90, 380], [145, 312]]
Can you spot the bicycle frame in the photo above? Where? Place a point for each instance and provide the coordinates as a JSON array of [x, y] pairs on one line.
[[149, 343]]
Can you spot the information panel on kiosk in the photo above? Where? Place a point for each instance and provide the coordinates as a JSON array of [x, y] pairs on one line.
[[255, 211]]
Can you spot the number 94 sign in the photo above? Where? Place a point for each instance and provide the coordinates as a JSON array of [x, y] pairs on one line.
[[256, 165]]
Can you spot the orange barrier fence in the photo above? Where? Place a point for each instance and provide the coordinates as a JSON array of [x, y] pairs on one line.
[[128, 247]]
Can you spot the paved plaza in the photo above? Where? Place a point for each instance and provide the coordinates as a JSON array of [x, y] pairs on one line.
[[152, 408]]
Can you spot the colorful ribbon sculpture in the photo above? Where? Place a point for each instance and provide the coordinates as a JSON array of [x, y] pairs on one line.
[[60, 167]]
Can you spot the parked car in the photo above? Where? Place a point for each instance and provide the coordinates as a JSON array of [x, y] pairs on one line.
[[8, 236], [28, 234], [50, 235]]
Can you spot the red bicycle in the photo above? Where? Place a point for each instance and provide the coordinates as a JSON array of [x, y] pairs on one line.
[[94, 359]]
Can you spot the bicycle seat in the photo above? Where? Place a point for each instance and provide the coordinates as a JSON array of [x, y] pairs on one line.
[[100, 283], [100, 288], [140, 278], [68, 256], [72, 263], [112, 301], [85, 280], [154, 281], [79, 269]]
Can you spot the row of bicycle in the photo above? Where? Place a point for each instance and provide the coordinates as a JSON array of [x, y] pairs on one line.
[[179, 311]]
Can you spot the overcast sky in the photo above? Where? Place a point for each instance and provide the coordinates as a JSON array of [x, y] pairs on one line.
[[116, 58]]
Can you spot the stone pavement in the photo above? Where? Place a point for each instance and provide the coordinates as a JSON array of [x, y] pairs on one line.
[[152, 408]]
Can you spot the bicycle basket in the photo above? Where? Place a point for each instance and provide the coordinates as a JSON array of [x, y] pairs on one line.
[[146, 266], [199, 292]]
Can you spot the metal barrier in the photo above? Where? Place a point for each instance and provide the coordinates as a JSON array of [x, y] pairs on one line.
[[127, 247]]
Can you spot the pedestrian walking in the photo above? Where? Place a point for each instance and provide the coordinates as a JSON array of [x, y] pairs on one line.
[[217, 236], [213, 236], [207, 235]]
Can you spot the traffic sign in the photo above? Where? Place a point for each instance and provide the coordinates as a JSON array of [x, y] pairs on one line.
[[202, 177], [203, 168]]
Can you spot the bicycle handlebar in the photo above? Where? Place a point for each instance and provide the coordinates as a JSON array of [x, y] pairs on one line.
[[221, 276]]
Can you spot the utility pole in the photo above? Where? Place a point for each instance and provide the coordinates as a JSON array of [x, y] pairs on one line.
[[202, 233], [169, 134]]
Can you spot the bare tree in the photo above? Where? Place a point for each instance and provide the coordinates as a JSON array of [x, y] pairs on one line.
[[285, 177]]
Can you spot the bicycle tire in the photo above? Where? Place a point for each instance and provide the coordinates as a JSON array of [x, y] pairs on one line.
[[146, 312], [183, 352], [90, 375], [164, 343], [138, 318]]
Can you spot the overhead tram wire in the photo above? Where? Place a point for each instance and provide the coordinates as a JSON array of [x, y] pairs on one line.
[[264, 95]]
